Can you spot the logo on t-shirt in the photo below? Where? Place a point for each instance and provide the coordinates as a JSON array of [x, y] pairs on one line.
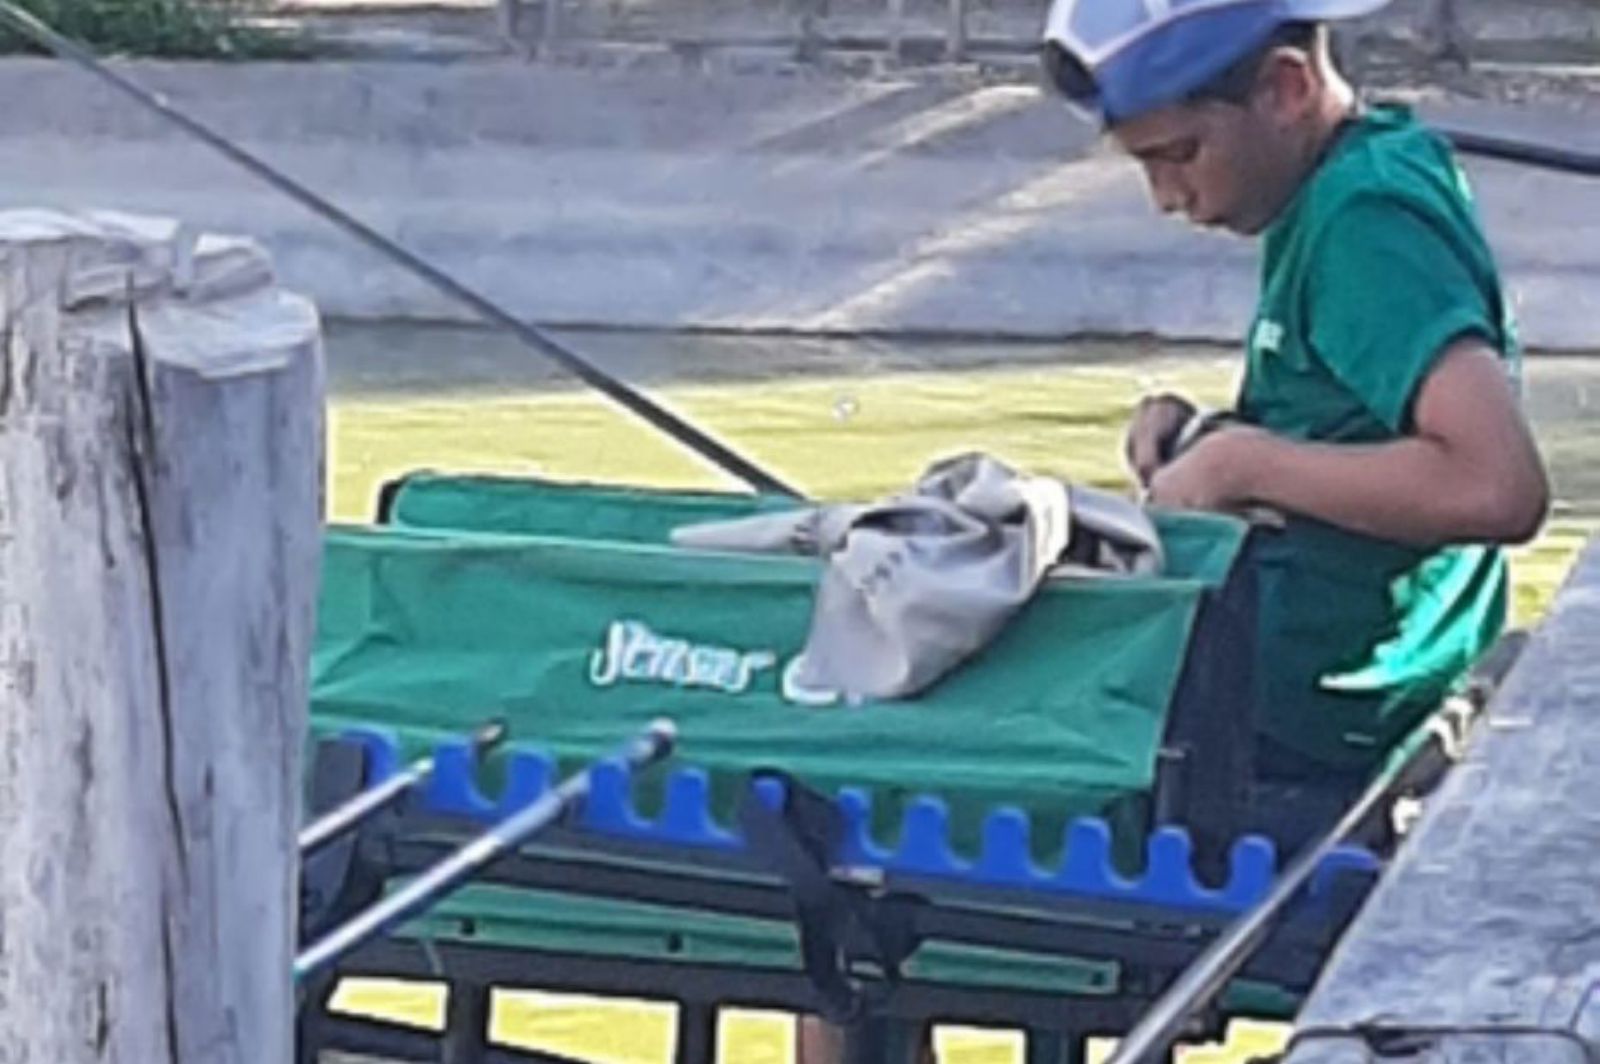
[[1268, 337]]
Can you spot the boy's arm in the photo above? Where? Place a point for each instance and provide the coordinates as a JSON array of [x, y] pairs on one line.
[[1468, 471]]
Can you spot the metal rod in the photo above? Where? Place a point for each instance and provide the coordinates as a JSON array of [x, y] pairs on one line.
[[1211, 972], [367, 804], [1543, 156], [420, 893], [351, 814], [660, 418], [1221, 961]]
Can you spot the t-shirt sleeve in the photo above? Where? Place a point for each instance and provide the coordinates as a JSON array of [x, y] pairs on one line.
[[1387, 291]]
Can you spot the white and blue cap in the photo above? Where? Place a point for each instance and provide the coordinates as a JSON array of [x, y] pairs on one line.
[[1123, 58]]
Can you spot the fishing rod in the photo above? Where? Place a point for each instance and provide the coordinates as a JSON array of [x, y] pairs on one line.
[[1543, 156], [1152, 1037], [374, 800], [651, 746], [657, 416]]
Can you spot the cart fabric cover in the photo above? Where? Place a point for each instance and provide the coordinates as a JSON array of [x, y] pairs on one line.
[[565, 609]]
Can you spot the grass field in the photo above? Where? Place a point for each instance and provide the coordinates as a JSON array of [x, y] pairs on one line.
[[861, 436], [641, 1032], [856, 435]]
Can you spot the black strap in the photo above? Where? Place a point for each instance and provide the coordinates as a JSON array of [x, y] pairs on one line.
[[845, 931], [343, 877]]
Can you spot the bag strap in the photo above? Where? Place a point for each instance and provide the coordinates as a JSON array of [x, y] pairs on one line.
[[844, 930]]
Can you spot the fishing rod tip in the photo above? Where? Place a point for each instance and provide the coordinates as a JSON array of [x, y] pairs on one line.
[[490, 734], [664, 731]]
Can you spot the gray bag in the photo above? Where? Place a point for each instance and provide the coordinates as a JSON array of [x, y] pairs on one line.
[[915, 585]]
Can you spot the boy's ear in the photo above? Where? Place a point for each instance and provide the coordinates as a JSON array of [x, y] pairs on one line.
[[1288, 85]]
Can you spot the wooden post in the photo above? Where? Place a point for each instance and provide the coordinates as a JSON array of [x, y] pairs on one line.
[[159, 538], [550, 28], [809, 43], [955, 45], [897, 32], [509, 22], [1444, 34]]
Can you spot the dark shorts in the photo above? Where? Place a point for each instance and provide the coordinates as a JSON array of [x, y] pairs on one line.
[[1294, 799]]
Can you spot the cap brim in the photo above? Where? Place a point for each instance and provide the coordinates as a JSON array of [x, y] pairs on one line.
[[1331, 10]]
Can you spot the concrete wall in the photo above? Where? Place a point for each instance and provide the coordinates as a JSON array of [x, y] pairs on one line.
[[734, 201], [1488, 914]]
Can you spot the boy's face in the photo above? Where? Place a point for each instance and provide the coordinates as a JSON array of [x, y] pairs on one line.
[[1233, 165], [1220, 164]]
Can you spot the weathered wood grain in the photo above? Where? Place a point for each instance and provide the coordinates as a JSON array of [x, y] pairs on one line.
[[159, 529]]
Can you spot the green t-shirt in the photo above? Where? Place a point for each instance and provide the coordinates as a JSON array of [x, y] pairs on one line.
[[1371, 271]]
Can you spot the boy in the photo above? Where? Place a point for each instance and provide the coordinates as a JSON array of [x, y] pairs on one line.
[[1378, 409]]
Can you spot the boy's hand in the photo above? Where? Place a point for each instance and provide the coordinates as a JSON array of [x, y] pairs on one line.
[[1153, 432], [1214, 474]]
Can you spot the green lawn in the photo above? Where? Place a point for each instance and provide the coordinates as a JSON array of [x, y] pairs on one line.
[[641, 1032], [858, 437], [836, 437], [848, 436]]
